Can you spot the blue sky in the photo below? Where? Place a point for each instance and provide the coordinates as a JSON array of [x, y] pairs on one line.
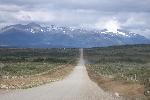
[[133, 15]]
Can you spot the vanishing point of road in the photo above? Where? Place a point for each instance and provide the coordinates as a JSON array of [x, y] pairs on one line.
[[76, 86]]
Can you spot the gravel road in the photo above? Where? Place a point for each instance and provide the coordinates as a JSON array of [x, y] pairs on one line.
[[77, 86]]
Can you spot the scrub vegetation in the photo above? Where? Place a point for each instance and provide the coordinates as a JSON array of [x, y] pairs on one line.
[[23, 68], [121, 67]]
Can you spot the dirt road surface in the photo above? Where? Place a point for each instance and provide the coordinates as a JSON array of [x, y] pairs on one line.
[[77, 86]]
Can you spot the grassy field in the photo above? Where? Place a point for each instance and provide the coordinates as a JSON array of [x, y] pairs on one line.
[[125, 66], [26, 66]]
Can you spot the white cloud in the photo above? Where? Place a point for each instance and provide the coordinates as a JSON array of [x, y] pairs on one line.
[[37, 16], [112, 25]]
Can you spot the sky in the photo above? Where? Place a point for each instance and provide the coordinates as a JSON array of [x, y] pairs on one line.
[[131, 15]]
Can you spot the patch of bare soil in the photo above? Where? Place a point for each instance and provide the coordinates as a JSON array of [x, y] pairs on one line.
[[129, 90], [36, 80]]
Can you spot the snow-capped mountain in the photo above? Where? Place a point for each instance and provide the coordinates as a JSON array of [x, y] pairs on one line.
[[34, 35]]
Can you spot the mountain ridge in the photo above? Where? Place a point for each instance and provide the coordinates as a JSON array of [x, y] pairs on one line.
[[35, 35]]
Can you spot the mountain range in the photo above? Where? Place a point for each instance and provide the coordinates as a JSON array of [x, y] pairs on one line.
[[37, 36]]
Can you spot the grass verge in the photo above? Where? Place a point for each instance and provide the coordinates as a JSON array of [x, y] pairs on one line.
[[127, 89], [36, 80]]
